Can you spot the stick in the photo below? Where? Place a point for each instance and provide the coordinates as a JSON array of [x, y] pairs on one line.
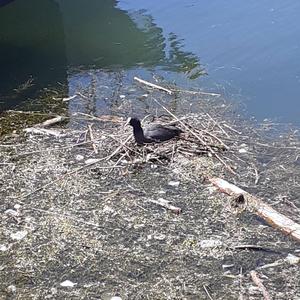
[[258, 282], [218, 125], [197, 137], [238, 132], [270, 215], [241, 297], [69, 98], [153, 85], [31, 112], [103, 118], [197, 92], [43, 131], [216, 138], [92, 138], [165, 203], [207, 293], [51, 122], [82, 96]]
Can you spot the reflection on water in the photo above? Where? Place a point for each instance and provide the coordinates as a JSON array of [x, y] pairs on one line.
[[251, 48], [50, 41], [248, 48], [32, 50]]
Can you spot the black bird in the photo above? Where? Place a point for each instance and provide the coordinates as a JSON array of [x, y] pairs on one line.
[[154, 133]]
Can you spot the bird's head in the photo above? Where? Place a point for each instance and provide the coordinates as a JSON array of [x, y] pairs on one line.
[[134, 122]]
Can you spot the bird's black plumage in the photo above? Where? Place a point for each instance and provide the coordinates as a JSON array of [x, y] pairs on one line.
[[154, 133]]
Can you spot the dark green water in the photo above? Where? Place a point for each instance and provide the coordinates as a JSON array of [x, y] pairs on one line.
[[248, 51]]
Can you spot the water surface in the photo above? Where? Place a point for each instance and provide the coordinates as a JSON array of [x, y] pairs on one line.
[[248, 51]]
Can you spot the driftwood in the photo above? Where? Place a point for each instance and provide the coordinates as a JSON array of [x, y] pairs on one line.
[[43, 131], [167, 204], [265, 211], [258, 282], [170, 92], [153, 85], [50, 122], [41, 127]]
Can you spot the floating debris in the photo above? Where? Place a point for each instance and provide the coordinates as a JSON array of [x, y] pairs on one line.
[[68, 283], [210, 243], [79, 157], [11, 212], [174, 183], [19, 235], [3, 248]]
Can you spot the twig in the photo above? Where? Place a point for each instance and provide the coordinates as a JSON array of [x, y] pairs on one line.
[[196, 92], [166, 204], [252, 247], [69, 98], [232, 129], [153, 85], [256, 176], [207, 293], [258, 282], [241, 297], [119, 148], [32, 112], [92, 138], [82, 96], [216, 138], [43, 131], [218, 125], [51, 122], [103, 118]]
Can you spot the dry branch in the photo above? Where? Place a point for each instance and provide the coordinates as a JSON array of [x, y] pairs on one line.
[[170, 92], [51, 122], [43, 131], [165, 203], [265, 211], [207, 293], [258, 282], [197, 92], [92, 138], [153, 85], [69, 98]]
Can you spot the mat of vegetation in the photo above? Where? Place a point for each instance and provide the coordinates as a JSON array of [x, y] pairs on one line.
[[81, 219]]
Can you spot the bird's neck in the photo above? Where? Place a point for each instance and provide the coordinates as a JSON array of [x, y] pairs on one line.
[[139, 134]]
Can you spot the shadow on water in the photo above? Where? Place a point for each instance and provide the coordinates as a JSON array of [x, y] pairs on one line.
[[32, 50], [45, 44]]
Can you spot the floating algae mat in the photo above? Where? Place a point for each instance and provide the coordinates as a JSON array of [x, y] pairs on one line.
[[88, 214]]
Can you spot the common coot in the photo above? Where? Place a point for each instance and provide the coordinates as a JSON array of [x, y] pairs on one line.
[[154, 133]]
